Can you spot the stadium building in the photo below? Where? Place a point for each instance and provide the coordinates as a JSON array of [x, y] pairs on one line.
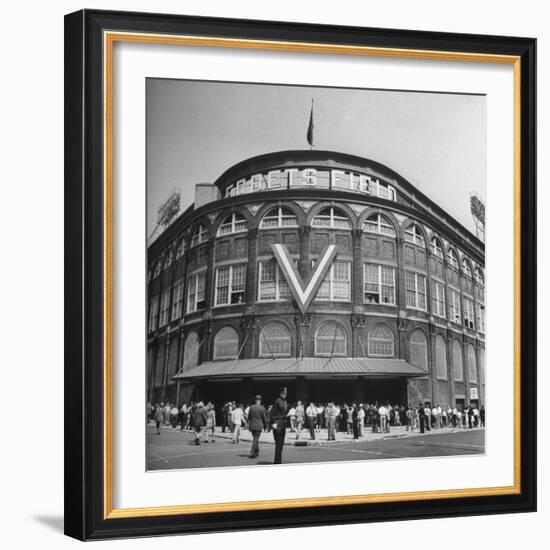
[[324, 271]]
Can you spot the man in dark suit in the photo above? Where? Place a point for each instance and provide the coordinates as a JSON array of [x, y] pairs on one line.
[[278, 419], [257, 422]]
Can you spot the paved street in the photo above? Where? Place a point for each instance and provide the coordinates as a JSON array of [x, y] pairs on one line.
[[173, 449]]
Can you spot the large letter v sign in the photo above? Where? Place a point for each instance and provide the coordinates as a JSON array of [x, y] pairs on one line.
[[303, 293]]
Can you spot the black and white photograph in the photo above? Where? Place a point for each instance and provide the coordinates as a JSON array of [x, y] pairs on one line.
[[316, 274]]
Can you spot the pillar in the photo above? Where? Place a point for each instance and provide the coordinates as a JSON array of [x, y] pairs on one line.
[[303, 339], [251, 267], [357, 268], [304, 264], [358, 326], [466, 371], [250, 349]]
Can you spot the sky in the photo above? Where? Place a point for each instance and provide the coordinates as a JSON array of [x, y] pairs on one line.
[[198, 129]]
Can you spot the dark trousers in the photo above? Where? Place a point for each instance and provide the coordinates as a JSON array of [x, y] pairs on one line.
[[279, 433], [311, 426], [255, 450], [421, 422]]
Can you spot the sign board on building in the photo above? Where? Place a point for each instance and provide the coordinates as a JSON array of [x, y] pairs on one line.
[[473, 393], [312, 177]]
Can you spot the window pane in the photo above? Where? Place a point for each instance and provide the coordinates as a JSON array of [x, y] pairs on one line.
[[226, 343], [419, 350], [380, 341], [275, 341], [440, 357], [330, 339]]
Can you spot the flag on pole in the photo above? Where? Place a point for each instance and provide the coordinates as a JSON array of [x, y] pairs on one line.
[[310, 127]]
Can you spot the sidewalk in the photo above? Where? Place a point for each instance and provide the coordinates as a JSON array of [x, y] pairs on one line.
[[321, 437]]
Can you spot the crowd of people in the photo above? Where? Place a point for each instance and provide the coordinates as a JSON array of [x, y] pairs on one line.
[[353, 418]]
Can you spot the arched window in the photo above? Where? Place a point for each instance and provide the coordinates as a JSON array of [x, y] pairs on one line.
[[279, 216], [472, 367], [458, 370], [419, 350], [440, 357], [275, 341], [331, 217], [479, 277], [380, 342], [330, 339], [378, 224], [452, 258], [466, 268], [199, 236], [234, 223], [181, 249], [437, 249], [158, 268], [226, 343], [190, 351], [169, 259], [414, 235]]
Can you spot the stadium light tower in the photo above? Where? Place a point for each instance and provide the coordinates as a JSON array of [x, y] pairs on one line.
[[166, 213], [477, 208]]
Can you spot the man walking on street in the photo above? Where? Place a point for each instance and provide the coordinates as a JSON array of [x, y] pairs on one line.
[[257, 421], [199, 421], [278, 420], [311, 413], [421, 417], [331, 412], [237, 419]]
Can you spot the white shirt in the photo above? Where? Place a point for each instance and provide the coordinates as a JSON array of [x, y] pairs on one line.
[[237, 416], [382, 411]]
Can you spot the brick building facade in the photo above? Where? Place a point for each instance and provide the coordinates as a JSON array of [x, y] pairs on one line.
[[399, 316]]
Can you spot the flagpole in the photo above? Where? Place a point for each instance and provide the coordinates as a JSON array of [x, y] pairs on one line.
[[311, 144], [309, 135]]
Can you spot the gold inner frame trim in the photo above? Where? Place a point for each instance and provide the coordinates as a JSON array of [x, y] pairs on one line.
[[109, 39]]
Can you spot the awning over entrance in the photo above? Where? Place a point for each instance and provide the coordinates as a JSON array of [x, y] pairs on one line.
[[308, 366]]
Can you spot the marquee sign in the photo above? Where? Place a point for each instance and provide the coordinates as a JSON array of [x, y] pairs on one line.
[[303, 293], [312, 177]]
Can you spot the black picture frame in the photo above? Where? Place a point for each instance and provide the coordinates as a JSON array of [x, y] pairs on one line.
[[85, 517]]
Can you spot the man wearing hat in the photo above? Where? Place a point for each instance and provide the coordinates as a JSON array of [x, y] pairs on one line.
[[278, 419], [257, 422]]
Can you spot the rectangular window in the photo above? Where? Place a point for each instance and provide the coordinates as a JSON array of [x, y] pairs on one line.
[[177, 301], [378, 284], [480, 317], [438, 299], [153, 314], [230, 284], [468, 312], [195, 292], [272, 285], [454, 306], [336, 286], [415, 287], [164, 307]]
